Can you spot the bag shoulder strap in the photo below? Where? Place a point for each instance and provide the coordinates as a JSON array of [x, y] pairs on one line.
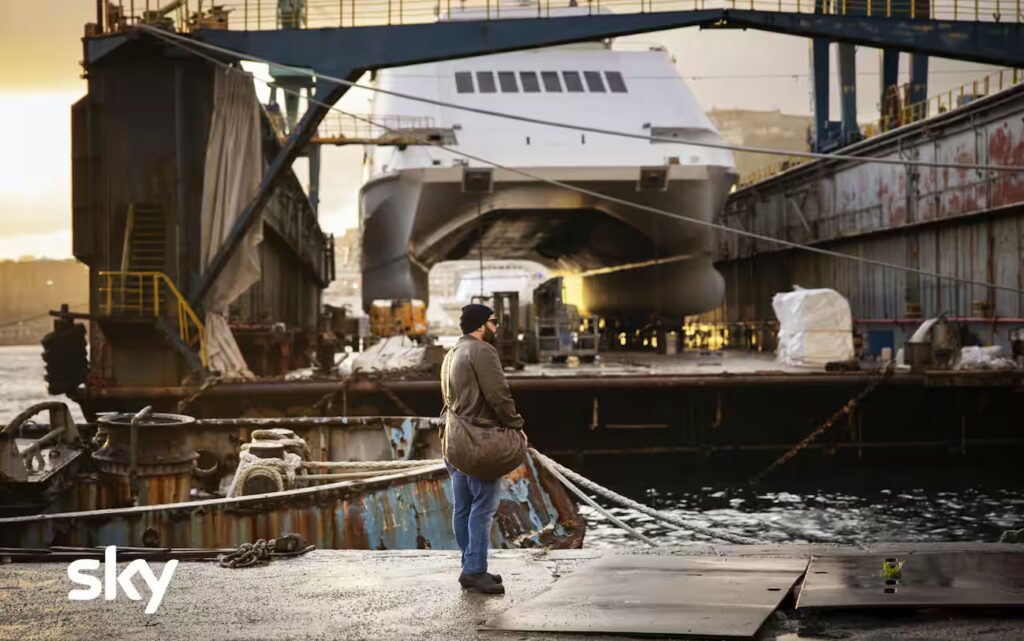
[[446, 383], [446, 379]]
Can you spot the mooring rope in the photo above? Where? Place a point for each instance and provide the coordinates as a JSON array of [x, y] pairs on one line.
[[370, 465], [640, 507], [594, 504]]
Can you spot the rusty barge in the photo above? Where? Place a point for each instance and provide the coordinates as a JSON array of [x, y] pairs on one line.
[[166, 480]]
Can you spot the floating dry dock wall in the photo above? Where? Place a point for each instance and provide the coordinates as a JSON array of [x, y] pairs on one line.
[[710, 410], [962, 222]]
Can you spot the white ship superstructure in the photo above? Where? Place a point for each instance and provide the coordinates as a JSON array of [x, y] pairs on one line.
[[416, 214]]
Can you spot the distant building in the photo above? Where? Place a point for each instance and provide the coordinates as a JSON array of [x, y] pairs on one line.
[[344, 289], [29, 289], [761, 129], [452, 283]]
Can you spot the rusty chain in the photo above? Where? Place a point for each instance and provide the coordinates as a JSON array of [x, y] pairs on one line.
[[845, 410], [327, 399], [262, 551], [185, 404]]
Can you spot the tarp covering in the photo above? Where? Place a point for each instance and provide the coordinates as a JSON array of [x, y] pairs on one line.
[[391, 355], [234, 164], [815, 327]]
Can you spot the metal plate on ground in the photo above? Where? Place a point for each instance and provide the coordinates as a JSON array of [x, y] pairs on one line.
[[665, 595], [914, 580]]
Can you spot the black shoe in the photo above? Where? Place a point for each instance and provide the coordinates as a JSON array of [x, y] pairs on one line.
[[481, 582], [495, 577]]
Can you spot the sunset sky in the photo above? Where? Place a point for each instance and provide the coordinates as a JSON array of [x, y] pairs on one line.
[[40, 50]]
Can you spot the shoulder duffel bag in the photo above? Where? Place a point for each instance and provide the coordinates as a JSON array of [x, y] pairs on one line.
[[478, 447]]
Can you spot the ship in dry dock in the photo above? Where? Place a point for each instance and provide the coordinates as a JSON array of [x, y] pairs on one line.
[[422, 205], [149, 222]]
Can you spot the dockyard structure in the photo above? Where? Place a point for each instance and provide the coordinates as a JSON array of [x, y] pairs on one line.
[[207, 262], [166, 149]]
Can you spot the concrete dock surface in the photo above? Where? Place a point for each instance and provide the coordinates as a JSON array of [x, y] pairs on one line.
[[348, 594]]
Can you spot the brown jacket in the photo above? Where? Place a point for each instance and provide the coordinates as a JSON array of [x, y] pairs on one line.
[[478, 387]]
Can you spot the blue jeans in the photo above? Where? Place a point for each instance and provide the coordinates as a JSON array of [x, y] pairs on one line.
[[476, 502]]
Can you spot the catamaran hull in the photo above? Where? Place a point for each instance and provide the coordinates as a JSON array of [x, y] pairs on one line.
[[636, 263]]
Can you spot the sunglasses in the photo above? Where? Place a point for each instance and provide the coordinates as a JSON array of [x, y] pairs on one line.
[[493, 321]]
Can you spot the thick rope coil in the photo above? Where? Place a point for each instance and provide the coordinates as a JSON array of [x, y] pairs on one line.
[[640, 507], [297, 445], [281, 472]]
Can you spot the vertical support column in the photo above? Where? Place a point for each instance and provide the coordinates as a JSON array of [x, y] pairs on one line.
[[291, 109], [819, 93], [848, 93], [313, 153], [918, 83], [179, 254], [888, 88]]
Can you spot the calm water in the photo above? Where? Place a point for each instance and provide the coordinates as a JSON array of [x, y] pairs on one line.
[[851, 510], [21, 381]]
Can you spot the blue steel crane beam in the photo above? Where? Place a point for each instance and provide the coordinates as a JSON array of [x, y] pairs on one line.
[[347, 52], [996, 43], [391, 46]]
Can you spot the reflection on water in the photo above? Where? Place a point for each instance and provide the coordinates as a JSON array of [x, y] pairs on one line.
[[21, 381], [845, 513], [968, 514]]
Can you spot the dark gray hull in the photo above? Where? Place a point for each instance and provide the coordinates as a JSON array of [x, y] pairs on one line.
[[414, 219]]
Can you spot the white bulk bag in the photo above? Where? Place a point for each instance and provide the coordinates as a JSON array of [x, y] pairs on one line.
[[815, 327]]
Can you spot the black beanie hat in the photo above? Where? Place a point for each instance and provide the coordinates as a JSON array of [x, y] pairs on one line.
[[473, 317]]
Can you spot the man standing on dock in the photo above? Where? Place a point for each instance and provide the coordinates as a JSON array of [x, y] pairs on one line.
[[478, 391]]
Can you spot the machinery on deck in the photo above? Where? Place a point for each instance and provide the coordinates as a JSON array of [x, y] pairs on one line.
[[397, 317], [559, 330], [546, 330]]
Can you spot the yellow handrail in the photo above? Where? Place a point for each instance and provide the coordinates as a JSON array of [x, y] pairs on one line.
[[122, 283], [912, 112], [908, 113]]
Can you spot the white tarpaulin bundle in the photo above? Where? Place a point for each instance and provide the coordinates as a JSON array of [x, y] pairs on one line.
[[815, 327], [389, 355], [234, 164]]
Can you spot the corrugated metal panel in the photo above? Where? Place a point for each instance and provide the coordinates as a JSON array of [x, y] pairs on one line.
[[940, 220], [823, 201], [979, 249]]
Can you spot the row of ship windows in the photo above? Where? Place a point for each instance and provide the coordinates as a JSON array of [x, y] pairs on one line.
[[574, 82]]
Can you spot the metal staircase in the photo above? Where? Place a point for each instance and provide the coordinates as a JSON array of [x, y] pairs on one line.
[[145, 250], [145, 240], [142, 292]]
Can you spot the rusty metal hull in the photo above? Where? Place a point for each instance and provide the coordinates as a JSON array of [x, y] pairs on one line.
[[408, 510], [959, 222]]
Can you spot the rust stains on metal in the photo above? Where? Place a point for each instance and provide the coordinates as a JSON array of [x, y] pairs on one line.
[[409, 509]]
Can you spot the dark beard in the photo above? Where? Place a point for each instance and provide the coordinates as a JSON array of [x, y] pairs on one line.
[[490, 336]]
